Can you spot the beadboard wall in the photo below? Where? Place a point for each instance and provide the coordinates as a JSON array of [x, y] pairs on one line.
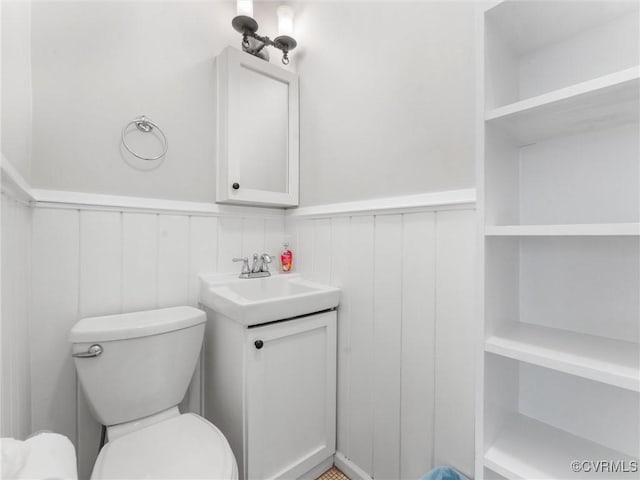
[[98, 260], [15, 419], [405, 329], [405, 265]]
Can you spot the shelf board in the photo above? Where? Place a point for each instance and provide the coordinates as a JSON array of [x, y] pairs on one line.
[[526, 448], [578, 229], [605, 360], [605, 102]]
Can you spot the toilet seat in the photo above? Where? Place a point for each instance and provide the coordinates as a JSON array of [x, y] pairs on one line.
[[183, 447]]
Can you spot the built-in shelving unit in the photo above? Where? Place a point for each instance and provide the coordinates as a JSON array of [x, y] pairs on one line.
[[559, 202]]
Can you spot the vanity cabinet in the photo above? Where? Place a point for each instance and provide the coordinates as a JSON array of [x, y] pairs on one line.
[[271, 389]]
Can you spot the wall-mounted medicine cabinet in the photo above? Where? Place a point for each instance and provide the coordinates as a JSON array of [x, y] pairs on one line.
[[257, 131]]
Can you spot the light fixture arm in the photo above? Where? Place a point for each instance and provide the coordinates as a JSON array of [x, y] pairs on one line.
[[248, 27]]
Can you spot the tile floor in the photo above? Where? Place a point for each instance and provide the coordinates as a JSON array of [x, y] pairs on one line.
[[333, 474]]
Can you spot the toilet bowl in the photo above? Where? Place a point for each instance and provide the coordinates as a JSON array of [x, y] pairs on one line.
[[185, 446], [134, 369]]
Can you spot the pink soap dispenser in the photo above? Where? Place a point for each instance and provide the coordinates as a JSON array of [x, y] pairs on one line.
[[286, 259]]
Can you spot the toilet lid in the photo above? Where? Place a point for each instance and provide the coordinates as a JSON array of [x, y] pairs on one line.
[[182, 447]]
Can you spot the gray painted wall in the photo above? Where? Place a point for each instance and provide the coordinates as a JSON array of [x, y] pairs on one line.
[[16, 84], [386, 100], [97, 65], [386, 95]]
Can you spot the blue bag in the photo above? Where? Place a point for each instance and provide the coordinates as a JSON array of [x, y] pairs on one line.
[[444, 473]]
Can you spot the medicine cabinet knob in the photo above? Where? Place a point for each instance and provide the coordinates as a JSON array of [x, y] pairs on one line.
[[259, 344], [236, 186]]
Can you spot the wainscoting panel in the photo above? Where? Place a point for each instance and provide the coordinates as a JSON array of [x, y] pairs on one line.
[[253, 237], [100, 262], [274, 238], [203, 251], [322, 250], [15, 400], [405, 333], [55, 292], [418, 336], [139, 261], [340, 243], [455, 337], [230, 243], [173, 260], [405, 375], [387, 345], [360, 288]]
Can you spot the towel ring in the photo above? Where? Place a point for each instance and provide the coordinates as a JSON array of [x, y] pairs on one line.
[[145, 125]]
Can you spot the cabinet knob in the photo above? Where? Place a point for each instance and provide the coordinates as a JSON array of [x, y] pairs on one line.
[[259, 344], [235, 186]]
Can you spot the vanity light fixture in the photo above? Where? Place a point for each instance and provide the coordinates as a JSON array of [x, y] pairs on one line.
[[253, 43]]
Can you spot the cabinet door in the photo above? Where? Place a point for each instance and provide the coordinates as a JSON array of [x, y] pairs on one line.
[[257, 131], [291, 396]]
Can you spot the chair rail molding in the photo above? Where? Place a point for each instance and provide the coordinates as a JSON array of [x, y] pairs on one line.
[[19, 188], [463, 199], [13, 183]]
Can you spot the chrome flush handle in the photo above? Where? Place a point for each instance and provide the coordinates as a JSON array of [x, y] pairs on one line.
[[94, 351]]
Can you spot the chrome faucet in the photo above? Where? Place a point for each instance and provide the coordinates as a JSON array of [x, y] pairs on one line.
[[261, 263], [259, 267]]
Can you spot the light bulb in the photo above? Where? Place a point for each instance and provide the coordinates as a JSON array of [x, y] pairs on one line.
[[285, 20], [245, 8]]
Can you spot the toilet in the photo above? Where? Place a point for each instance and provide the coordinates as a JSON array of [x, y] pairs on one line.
[[135, 369]]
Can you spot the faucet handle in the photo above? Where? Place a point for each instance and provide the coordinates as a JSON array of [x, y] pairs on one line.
[[245, 264], [266, 260]]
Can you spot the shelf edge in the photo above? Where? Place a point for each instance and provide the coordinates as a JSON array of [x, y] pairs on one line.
[[566, 93], [627, 382], [595, 229]]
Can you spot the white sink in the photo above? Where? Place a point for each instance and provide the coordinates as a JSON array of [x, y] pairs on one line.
[[252, 301]]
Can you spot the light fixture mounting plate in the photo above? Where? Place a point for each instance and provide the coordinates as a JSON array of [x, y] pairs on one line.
[[286, 41], [242, 24]]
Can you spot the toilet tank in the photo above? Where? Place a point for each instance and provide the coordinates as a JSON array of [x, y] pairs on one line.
[[146, 364]]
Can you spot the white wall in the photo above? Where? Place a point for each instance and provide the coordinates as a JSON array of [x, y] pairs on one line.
[[101, 261], [386, 98], [15, 388], [386, 109], [16, 83], [405, 334], [396, 83], [405, 353], [99, 64]]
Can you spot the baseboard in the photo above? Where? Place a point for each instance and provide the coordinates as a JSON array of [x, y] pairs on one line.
[[318, 470], [350, 469]]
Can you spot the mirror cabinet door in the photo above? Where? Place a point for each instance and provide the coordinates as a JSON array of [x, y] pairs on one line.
[[257, 131]]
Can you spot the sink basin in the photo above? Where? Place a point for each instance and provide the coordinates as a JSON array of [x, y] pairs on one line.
[[259, 300]]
